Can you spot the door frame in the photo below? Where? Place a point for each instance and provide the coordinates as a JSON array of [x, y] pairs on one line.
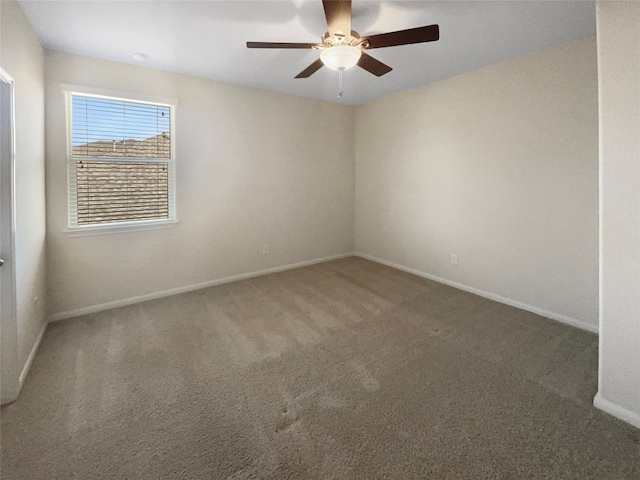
[[9, 377]]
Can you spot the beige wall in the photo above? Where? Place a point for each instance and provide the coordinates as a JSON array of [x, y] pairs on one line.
[[253, 167], [22, 57], [619, 90], [498, 166]]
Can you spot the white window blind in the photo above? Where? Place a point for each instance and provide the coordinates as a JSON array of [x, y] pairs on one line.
[[120, 161], [121, 191]]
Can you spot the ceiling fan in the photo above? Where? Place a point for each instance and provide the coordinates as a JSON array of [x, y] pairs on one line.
[[343, 48]]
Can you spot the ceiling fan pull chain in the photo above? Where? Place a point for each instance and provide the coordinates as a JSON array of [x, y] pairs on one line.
[[340, 83]]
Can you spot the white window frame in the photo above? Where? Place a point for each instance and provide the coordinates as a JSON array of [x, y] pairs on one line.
[[73, 229]]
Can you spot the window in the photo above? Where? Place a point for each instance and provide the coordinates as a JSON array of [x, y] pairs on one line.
[[120, 162]]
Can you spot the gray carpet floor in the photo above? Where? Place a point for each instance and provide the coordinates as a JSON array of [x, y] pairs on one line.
[[342, 370]]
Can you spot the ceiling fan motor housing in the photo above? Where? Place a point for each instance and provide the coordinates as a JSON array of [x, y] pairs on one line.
[[340, 39]]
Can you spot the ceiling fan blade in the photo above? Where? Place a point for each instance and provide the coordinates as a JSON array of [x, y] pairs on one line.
[[338, 15], [430, 33], [281, 45], [372, 65], [311, 69]]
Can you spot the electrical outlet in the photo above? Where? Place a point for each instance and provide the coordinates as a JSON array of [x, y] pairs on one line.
[[265, 249], [454, 259]]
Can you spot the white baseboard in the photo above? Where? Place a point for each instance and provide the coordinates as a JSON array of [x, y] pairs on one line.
[[574, 322], [9, 397], [189, 288], [32, 354], [617, 411]]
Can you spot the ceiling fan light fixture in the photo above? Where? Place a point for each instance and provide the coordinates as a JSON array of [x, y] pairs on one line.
[[340, 57]]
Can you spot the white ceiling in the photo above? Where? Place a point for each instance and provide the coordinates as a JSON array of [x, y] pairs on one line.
[[207, 38]]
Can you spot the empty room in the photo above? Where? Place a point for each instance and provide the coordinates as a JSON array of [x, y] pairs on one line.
[[320, 239]]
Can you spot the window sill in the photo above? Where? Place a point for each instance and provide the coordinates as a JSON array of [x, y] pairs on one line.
[[114, 228]]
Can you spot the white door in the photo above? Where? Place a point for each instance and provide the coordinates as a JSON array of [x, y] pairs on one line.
[[9, 384]]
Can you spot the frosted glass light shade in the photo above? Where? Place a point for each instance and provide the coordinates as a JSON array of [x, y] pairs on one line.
[[340, 57]]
